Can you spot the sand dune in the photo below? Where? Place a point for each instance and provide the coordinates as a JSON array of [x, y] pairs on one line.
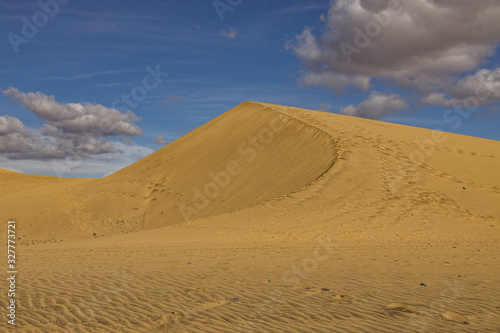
[[268, 219]]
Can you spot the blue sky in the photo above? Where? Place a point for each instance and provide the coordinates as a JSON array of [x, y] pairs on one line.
[[96, 51]]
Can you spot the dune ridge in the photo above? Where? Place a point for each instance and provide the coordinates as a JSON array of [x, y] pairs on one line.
[[157, 190], [338, 224]]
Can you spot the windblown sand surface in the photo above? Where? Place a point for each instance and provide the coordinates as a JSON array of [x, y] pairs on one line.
[[267, 219]]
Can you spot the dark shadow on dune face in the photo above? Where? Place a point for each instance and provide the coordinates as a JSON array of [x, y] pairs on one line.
[[251, 154]]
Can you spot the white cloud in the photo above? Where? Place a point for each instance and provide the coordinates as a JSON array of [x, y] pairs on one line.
[[481, 88], [19, 142], [376, 106], [484, 84], [94, 167], [160, 140], [398, 40], [438, 99], [74, 130], [77, 117], [231, 33]]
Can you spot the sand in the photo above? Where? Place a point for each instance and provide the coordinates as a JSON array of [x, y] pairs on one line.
[[267, 219]]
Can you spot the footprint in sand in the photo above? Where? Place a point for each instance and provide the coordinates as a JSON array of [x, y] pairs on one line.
[[340, 296], [401, 307], [314, 291], [196, 290], [456, 317], [203, 276], [309, 290], [209, 305], [172, 317], [171, 322]]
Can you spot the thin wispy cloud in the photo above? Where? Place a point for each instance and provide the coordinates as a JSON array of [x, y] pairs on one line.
[[300, 8], [90, 75], [171, 99], [109, 85]]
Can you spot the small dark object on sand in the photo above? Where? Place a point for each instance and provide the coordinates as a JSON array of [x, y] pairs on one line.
[[423, 284], [233, 299], [325, 289]]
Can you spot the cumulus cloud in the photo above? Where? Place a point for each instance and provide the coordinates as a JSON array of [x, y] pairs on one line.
[[77, 117], [479, 89], [96, 167], [438, 99], [399, 41], [19, 142], [160, 140], [76, 130], [484, 83], [376, 106], [231, 33]]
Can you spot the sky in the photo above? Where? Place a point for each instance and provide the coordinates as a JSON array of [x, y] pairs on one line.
[[89, 87]]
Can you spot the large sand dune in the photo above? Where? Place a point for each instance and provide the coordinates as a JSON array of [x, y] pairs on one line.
[[313, 221]]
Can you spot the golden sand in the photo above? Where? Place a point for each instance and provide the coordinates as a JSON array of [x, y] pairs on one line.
[[267, 219]]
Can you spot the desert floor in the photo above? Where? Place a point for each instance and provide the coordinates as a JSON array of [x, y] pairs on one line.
[[266, 219]]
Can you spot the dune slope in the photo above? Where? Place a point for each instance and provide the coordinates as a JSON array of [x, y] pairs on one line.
[[234, 161]]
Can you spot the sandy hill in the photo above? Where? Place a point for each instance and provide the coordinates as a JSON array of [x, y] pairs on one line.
[[258, 153], [234, 207]]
